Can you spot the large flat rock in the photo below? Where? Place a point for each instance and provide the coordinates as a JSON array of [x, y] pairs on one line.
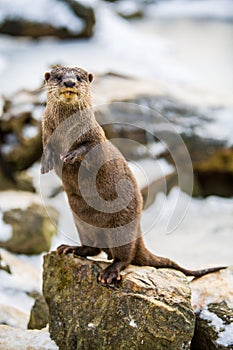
[[149, 309]]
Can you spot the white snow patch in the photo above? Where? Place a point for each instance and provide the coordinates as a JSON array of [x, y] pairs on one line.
[[14, 338], [204, 236], [148, 170], [214, 320], [24, 278], [225, 337], [91, 325], [218, 128], [133, 324], [5, 230], [43, 11], [225, 331], [29, 131], [17, 199], [196, 9]]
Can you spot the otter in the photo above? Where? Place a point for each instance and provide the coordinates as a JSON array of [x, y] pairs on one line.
[[105, 199]]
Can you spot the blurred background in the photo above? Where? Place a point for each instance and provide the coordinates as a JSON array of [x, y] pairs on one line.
[[166, 57]]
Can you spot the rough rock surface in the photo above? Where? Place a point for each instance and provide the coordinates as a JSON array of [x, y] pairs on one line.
[[14, 338], [39, 313], [149, 309], [32, 229], [212, 299]]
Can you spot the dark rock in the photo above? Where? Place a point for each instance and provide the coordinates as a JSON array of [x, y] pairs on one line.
[[20, 139], [18, 23], [39, 316], [213, 304], [149, 309], [32, 229]]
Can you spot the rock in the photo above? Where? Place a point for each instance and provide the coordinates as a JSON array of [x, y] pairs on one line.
[[21, 181], [212, 299], [64, 19], [20, 139], [39, 313], [149, 309], [147, 118], [32, 229], [14, 338]]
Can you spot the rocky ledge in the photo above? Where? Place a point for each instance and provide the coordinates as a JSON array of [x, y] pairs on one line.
[[63, 19], [149, 309]]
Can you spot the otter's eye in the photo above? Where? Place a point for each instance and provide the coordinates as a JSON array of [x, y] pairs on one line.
[[79, 78], [58, 77]]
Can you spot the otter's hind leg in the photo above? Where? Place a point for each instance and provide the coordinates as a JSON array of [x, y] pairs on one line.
[[122, 258], [78, 250]]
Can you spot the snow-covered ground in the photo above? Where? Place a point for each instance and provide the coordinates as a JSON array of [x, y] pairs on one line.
[[186, 52]]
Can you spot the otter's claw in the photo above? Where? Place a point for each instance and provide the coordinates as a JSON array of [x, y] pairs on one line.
[[108, 275], [71, 157]]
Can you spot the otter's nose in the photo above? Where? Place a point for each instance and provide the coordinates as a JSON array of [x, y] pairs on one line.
[[69, 83]]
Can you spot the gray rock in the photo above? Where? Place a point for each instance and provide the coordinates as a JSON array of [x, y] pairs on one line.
[[39, 313], [144, 120], [32, 229], [148, 309], [212, 299]]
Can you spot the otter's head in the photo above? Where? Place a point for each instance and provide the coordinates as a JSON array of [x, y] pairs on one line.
[[69, 85]]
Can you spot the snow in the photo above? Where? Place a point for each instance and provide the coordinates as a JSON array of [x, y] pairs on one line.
[[148, 170], [197, 9], [202, 229], [121, 46], [215, 321], [225, 337], [133, 324], [43, 11], [13, 338], [216, 127], [12, 199], [30, 131], [225, 331], [23, 278], [5, 229]]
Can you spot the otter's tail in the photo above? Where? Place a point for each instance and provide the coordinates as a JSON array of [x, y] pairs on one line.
[[145, 258]]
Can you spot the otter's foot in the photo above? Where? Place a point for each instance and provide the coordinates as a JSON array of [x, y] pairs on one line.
[[112, 272], [78, 250], [75, 155]]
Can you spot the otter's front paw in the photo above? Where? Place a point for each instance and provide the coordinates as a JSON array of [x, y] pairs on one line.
[[72, 157], [66, 249], [47, 162]]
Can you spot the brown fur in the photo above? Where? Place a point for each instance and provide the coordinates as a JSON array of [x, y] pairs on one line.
[[117, 233]]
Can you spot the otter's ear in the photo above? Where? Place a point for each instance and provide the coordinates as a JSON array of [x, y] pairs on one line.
[[90, 77], [47, 76]]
